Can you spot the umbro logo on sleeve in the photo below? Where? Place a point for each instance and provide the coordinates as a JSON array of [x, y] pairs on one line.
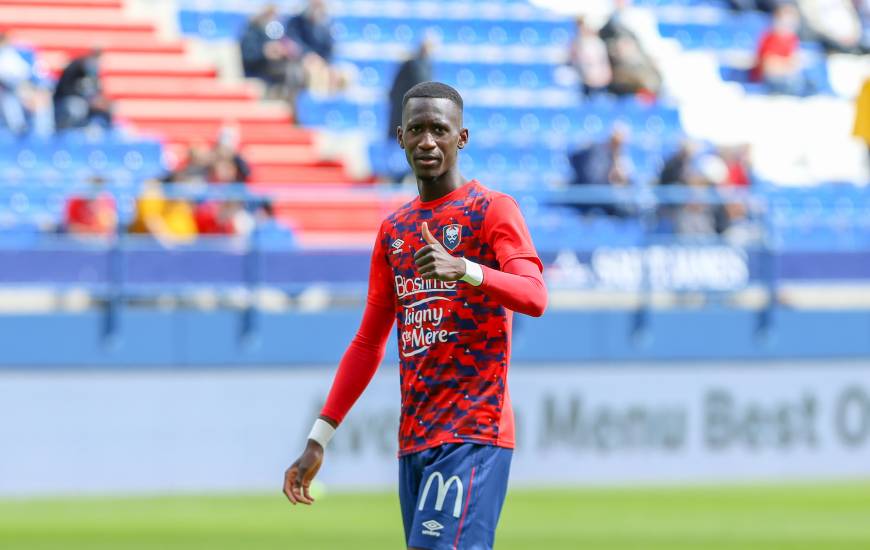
[[431, 528]]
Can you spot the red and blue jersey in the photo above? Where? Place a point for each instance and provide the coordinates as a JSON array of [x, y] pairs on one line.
[[454, 340]]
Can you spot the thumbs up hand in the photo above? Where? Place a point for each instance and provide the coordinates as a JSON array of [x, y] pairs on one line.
[[434, 262], [427, 235]]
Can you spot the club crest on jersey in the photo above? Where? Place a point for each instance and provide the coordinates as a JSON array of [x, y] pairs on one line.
[[452, 236]]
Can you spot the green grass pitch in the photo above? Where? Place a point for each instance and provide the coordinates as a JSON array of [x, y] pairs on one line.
[[738, 518]]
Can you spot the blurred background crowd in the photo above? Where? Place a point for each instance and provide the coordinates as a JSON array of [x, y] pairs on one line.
[[635, 96]]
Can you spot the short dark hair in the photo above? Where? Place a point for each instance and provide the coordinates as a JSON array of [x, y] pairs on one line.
[[437, 90]]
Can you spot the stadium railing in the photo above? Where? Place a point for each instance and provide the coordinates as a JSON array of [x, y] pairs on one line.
[[567, 220], [631, 273]]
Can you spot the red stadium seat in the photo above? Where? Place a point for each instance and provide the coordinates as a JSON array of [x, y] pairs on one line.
[[158, 90], [250, 131], [138, 87], [14, 17], [117, 4], [75, 42], [193, 110], [299, 174]]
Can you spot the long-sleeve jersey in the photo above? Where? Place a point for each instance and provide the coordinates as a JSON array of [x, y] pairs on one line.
[[454, 338]]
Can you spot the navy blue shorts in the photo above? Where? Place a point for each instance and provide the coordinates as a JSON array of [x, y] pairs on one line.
[[451, 496]]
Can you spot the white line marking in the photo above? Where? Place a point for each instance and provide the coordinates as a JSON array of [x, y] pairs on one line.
[[426, 290], [415, 352], [425, 300]]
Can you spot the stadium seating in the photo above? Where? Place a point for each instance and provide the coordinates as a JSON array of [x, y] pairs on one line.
[[156, 86], [734, 37], [69, 159], [506, 56], [374, 42], [828, 217], [39, 173], [721, 31]]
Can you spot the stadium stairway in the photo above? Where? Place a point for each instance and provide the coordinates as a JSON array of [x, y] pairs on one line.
[[507, 57], [160, 91]]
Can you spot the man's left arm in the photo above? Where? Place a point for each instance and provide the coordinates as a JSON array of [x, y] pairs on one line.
[[518, 285]]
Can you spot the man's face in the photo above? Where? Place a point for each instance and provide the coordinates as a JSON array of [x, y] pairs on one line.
[[431, 135]]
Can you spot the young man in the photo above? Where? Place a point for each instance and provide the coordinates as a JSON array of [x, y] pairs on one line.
[[448, 267]]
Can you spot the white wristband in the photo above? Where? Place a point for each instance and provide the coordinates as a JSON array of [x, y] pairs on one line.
[[321, 432], [473, 273]]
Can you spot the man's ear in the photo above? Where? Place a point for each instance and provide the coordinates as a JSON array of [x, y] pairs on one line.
[[463, 137], [399, 136]]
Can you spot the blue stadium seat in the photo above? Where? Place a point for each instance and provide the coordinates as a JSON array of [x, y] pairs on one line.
[[730, 32], [816, 72], [405, 30], [212, 25]]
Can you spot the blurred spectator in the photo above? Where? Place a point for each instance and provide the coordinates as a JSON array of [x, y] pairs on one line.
[[737, 161], [767, 6], [675, 172], [170, 220], [240, 220], [220, 164], [416, 69], [34, 93], [694, 164], [36, 96], [863, 9], [223, 170], [210, 220], [633, 70], [269, 231], [778, 63], [93, 213], [14, 73], [223, 217], [605, 163], [738, 227], [270, 57], [734, 220], [701, 169], [196, 167], [675, 169], [834, 22], [861, 127], [705, 171], [78, 97], [311, 30], [413, 71], [588, 56], [228, 165], [697, 219]]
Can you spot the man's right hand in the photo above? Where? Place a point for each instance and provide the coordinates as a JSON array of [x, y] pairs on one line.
[[298, 477]]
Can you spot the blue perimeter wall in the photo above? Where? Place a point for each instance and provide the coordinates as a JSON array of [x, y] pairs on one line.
[[185, 338]]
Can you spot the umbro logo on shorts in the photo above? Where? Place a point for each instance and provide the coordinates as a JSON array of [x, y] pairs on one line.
[[431, 528]]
